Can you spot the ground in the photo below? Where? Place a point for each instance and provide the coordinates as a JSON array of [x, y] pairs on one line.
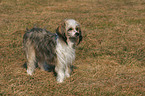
[[109, 62]]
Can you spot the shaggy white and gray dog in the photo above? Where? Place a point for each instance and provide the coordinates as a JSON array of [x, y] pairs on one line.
[[56, 49]]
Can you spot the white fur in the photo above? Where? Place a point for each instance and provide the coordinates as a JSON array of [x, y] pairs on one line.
[[65, 57], [71, 23]]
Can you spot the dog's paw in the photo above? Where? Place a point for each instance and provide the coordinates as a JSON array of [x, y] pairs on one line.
[[67, 75], [59, 80], [29, 72]]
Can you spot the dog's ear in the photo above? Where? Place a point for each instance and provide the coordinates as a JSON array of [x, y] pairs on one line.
[[80, 36], [61, 31]]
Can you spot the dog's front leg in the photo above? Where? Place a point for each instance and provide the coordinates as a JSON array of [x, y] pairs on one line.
[[60, 73], [68, 71]]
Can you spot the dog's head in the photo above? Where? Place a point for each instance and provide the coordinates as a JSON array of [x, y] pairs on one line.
[[69, 30]]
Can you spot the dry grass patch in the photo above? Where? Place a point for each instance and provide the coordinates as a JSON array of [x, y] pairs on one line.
[[110, 60]]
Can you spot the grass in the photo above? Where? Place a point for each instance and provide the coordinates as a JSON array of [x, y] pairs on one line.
[[110, 60]]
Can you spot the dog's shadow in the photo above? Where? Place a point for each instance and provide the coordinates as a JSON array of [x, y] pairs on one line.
[[25, 65], [49, 68]]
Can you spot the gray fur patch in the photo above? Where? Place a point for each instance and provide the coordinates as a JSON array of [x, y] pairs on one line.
[[44, 44]]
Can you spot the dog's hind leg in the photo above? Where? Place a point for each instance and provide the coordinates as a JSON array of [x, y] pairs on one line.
[[31, 60], [43, 65]]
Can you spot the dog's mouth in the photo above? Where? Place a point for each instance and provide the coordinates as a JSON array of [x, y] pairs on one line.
[[73, 39]]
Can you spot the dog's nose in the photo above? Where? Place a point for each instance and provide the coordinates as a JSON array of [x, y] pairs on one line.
[[77, 34]]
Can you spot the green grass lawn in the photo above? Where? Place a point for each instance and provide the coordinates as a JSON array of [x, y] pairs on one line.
[[109, 62]]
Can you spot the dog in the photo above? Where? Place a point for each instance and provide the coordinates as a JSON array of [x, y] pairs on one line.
[[57, 49]]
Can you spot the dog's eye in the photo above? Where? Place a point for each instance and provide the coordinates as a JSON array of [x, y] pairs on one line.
[[70, 29], [77, 29]]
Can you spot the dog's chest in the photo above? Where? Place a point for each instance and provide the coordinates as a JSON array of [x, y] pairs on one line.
[[65, 54]]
